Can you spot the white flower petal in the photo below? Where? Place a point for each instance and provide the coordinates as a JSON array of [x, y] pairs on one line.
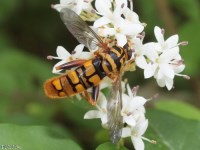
[[103, 7], [169, 83], [158, 34], [130, 93], [78, 51], [92, 114], [102, 102], [149, 50], [172, 41], [58, 64], [106, 32], [131, 16], [58, 7], [167, 70], [62, 52], [148, 71], [101, 21], [178, 69], [138, 101], [132, 29], [141, 109], [141, 62], [104, 119], [86, 55], [137, 143], [66, 1], [160, 82], [78, 7], [142, 127], [121, 39], [129, 120], [126, 132], [125, 102], [169, 55]]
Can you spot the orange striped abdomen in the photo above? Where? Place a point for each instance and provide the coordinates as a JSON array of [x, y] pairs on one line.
[[75, 81]]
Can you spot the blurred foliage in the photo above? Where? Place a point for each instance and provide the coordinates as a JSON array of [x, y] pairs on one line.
[[35, 137], [172, 132], [30, 30]]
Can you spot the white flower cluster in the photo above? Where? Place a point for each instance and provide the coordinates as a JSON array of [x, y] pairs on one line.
[[133, 113], [161, 59]]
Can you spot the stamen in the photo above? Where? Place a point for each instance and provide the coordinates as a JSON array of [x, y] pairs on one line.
[[50, 57], [153, 97], [163, 31], [52, 6], [122, 6], [148, 140], [184, 76], [180, 62], [144, 24], [135, 90], [177, 62], [184, 43], [93, 11], [133, 50], [73, 52], [141, 36], [125, 80]]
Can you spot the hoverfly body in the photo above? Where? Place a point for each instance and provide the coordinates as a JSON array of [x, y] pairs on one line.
[[84, 74]]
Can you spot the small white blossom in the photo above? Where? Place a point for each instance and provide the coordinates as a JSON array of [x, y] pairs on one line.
[[133, 107], [171, 42], [101, 112], [113, 24], [76, 5], [161, 60], [136, 132], [65, 56]]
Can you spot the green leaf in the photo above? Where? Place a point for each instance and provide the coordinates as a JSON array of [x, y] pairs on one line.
[[172, 132], [109, 146], [179, 108], [35, 138], [190, 53], [102, 136]]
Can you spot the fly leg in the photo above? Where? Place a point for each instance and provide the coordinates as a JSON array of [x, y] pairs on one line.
[[128, 64], [92, 99], [95, 93], [71, 64]]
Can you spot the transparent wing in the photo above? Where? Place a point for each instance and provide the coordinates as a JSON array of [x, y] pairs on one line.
[[79, 28], [114, 106]]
